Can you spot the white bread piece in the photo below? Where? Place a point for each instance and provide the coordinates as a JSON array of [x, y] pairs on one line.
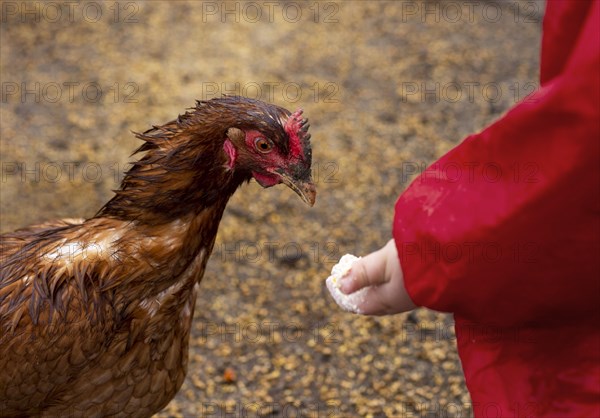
[[351, 302]]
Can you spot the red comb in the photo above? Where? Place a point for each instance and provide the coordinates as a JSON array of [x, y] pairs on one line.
[[296, 127]]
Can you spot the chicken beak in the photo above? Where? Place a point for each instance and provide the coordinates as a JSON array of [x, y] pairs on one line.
[[305, 188]]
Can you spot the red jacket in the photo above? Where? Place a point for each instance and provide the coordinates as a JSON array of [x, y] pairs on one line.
[[504, 232]]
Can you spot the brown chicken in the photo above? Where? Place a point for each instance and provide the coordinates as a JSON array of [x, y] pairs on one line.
[[95, 314]]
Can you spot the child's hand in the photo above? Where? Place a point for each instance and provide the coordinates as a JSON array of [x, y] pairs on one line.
[[382, 272]]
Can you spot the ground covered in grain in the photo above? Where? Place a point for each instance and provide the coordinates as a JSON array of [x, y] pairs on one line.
[[388, 87]]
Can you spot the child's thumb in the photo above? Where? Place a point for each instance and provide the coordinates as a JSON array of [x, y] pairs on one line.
[[366, 271]]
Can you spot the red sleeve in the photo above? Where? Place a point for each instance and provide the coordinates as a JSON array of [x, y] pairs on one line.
[[505, 227], [562, 25]]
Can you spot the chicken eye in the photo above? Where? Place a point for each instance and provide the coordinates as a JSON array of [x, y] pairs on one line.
[[263, 144]]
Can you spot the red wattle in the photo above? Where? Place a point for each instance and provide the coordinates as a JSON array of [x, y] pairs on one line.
[[266, 180]]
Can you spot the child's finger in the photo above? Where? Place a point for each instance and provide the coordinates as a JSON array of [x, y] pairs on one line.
[[375, 302], [380, 300]]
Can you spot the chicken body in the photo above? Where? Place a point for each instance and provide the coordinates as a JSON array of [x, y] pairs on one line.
[[124, 351], [95, 315]]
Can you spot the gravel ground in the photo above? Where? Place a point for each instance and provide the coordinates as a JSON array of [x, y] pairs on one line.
[[388, 87]]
